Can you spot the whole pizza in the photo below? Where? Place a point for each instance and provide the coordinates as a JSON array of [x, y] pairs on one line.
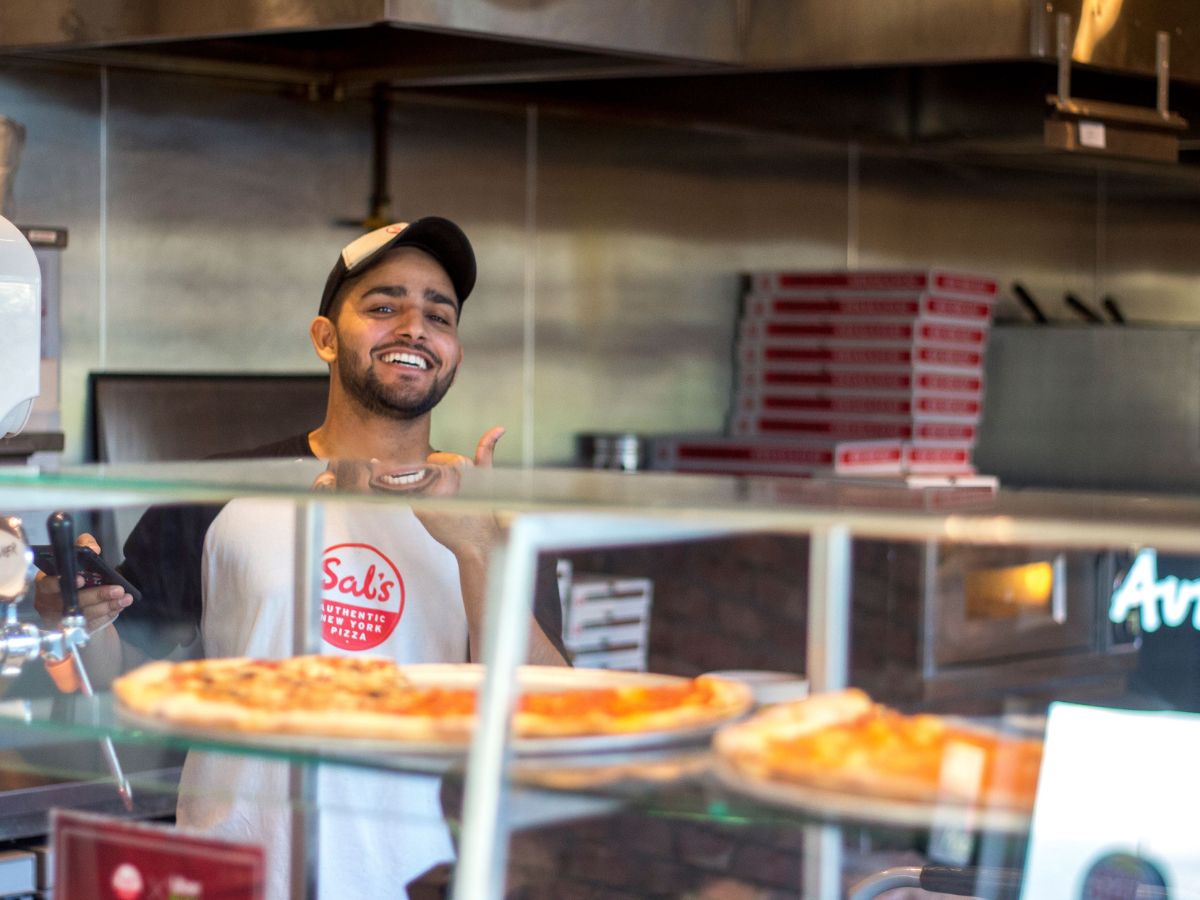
[[843, 742], [373, 697]]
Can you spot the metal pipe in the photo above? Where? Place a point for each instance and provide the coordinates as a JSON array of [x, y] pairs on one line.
[[1162, 69], [1063, 51]]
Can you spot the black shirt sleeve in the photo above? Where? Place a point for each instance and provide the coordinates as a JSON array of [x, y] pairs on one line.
[[162, 558]]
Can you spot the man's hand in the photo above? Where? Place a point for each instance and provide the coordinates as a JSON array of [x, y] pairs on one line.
[[484, 451], [100, 605]]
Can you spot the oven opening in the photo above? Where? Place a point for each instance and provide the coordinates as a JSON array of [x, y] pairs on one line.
[[1034, 589]]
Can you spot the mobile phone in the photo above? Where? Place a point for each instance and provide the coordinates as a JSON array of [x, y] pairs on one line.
[[89, 564]]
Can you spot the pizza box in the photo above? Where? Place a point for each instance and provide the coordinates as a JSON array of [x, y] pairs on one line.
[[618, 660], [904, 427], [860, 355], [959, 284], [632, 635], [921, 457], [915, 403], [835, 379], [951, 493], [868, 331], [739, 455], [857, 307]]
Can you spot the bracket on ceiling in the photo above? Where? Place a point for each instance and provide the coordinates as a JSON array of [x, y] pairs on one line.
[[1113, 129]]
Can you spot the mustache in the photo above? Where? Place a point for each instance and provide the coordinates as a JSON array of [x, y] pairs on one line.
[[407, 345]]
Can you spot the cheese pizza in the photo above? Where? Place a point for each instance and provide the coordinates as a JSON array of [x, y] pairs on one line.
[[373, 697], [843, 742]]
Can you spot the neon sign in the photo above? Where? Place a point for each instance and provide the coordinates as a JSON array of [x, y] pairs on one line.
[[1160, 602]]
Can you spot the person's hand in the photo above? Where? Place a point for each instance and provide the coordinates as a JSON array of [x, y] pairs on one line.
[[99, 605], [484, 451], [464, 534]]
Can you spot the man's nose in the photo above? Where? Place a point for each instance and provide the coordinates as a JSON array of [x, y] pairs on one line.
[[411, 323]]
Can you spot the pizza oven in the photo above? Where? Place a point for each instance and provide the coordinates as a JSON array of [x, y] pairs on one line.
[[947, 625]]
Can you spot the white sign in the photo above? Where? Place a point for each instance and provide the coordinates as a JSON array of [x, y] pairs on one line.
[[1092, 134], [1169, 601], [1116, 799]]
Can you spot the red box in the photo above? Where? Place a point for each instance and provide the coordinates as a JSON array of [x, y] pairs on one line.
[[934, 280], [876, 307], [855, 428], [803, 332], [831, 378], [898, 403], [766, 456], [859, 355]]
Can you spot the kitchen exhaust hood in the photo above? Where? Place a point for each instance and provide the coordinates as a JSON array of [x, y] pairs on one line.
[[915, 72]]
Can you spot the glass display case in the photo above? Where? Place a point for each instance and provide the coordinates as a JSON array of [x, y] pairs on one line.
[[986, 608]]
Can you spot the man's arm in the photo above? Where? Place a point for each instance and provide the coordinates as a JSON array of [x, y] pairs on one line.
[[470, 537], [473, 574]]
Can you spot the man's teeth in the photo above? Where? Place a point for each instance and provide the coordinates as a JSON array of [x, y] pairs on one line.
[[405, 359], [406, 478]]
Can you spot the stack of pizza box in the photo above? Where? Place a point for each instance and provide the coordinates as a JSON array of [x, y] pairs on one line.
[[606, 619], [852, 372]]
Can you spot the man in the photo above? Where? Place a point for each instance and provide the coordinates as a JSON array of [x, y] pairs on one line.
[[397, 582], [387, 327]]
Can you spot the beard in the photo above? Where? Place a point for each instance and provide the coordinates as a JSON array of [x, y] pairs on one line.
[[398, 401]]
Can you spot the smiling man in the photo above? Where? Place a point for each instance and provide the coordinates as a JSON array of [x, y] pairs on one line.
[[398, 582]]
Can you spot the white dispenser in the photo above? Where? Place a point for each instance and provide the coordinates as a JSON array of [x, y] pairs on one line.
[[20, 328]]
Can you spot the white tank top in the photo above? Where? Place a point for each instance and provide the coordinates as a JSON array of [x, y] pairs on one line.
[[387, 588]]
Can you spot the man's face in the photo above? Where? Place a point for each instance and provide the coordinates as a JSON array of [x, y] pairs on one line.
[[397, 347]]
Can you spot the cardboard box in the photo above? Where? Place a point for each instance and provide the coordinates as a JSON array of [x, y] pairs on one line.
[[823, 353], [917, 404], [935, 280], [857, 307], [853, 378], [720, 455], [823, 331], [845, 427]]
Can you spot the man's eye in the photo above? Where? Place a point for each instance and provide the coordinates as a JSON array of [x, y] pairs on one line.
[[441, 320], [381, 309]]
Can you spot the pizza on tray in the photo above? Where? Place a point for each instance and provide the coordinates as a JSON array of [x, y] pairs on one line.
[[373, 697], [845, 743]]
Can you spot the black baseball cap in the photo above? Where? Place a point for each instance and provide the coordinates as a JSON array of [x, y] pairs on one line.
[[440, 238]]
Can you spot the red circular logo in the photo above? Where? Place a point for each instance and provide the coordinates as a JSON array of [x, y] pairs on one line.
[[362, 596]]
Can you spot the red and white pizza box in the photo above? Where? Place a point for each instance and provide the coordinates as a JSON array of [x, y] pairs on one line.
[[925, 458], [818, 353], [757, 456], [961, 284], [909, 493], [853, 378], [870, 331], [917, 404], [857, 307], [854, 428]]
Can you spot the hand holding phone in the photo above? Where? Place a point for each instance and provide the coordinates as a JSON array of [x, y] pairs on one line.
[[89, 564]]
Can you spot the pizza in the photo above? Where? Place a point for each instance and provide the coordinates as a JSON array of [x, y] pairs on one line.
[[373, 697], [844, 742]]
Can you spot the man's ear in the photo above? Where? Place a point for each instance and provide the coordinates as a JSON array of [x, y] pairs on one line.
[[324, 339]]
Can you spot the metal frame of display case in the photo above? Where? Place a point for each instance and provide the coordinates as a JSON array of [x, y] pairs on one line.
[[540, 524]]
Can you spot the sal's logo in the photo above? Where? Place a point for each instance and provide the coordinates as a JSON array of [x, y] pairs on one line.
[[362, 596], [1160, 602], [127, 883]]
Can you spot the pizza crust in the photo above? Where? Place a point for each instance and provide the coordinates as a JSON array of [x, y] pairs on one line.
[[843, 742], [230, 695]]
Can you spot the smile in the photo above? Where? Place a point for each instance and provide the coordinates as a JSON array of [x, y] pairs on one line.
[[402, 479], [405, 359]]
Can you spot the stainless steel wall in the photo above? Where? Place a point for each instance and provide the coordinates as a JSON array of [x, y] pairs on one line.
[[202, 220]]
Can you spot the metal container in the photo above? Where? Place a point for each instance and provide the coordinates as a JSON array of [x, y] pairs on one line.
[[620, 451]]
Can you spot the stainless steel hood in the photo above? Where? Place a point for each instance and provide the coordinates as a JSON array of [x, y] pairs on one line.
[[950, 73], [1117, 35]]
